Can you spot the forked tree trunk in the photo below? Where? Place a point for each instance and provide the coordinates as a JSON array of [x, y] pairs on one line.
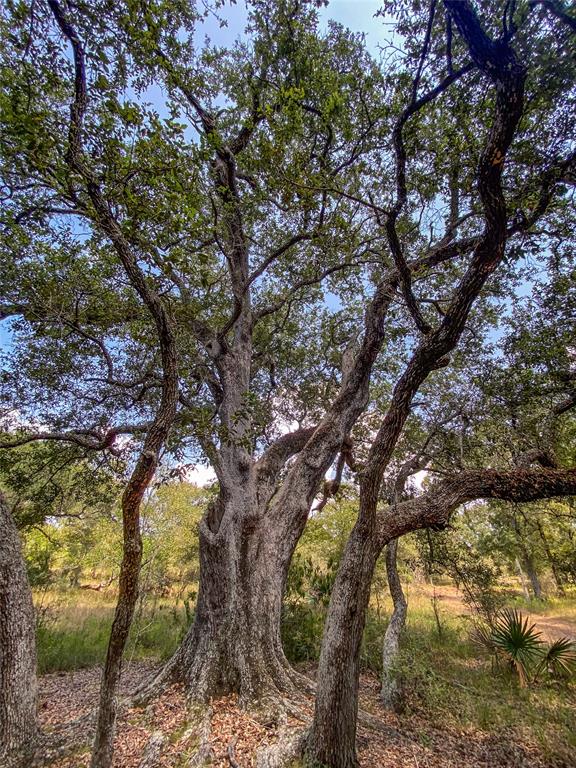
[[392, 690], [18, 686], [249, 535], [333, 734]]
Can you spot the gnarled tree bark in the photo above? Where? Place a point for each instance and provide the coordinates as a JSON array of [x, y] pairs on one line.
[[249, 534]]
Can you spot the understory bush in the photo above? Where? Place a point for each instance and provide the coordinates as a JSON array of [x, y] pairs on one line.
[[512, 642]]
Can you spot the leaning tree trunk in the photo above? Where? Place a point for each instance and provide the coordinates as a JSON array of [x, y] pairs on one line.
[[18, 686], [103, 748], [332, 739], [391, 691]]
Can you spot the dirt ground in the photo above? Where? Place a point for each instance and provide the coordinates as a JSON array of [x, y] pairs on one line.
[[235, 736], [551, 627]]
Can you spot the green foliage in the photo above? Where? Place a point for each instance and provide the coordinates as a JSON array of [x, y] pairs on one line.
[[170, 521], [472, 569], [559, 659], [309, 581], [38, 553], [445, 682], [44, 481], [82, 644], [516, 643], [302, 626]]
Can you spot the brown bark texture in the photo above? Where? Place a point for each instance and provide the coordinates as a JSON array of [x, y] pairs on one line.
[[157, 432], [18, 685], [332, 739], [391, 691]]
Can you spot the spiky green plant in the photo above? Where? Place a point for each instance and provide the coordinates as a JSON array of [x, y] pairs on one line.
[[513, 641], [559, 659]]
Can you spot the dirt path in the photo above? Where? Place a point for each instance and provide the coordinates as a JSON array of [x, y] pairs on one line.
[[450, 599], [553, 627]]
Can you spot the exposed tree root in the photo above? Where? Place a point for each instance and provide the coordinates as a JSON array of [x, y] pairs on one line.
[[64, 741], [155, 685], [203, 754], [231, 751], [289, 747], [373, 723], [153, 751]]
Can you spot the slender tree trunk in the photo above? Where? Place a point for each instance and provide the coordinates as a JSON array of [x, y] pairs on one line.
[[333, 734], [18, 685], [102, 752], [533, 575], [551, 560], [528, 561], [137, 486], [522, 576], [392, 689], [332, 739]]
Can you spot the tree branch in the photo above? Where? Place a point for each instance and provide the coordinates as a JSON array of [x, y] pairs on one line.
[[556, 9], [499, 63], [436, 505]]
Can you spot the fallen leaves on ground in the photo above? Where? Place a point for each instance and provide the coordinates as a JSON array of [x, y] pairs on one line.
[[417, 742]]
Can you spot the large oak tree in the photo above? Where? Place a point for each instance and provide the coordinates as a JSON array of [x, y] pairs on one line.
[[226, 270]]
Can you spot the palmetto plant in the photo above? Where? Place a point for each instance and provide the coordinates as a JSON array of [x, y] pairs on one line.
[[511, 640], [514, 642], [559, 659]]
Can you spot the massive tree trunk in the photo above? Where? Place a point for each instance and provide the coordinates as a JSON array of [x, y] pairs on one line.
[[18, 687], [391, 692], [234, 643], [248, 536]]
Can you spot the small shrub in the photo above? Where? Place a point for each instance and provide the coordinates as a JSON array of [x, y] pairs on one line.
[[302, 626], [513, 640], [559, 659]]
